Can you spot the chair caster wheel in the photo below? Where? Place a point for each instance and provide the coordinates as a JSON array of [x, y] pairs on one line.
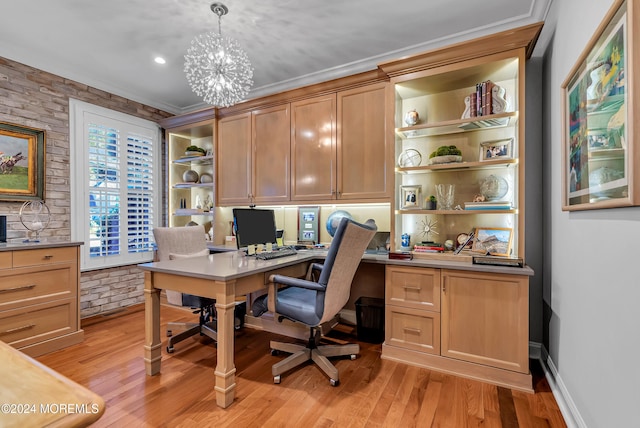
[[170, 349], [334, 382], [353, 357], [275, 352], [276, 379], [169, 333]]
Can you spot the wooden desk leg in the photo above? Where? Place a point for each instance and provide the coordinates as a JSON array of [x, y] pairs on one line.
[[152, 344], [225, 370]]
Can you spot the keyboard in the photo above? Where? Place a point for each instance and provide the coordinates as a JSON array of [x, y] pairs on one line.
[[282, 252]]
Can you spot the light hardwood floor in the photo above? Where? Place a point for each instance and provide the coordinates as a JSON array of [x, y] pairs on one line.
[[372, 392]]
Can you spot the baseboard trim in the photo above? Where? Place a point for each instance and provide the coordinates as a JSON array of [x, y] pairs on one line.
[[566, 404]]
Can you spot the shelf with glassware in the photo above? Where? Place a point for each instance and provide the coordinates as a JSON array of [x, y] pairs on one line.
[[474, 156]]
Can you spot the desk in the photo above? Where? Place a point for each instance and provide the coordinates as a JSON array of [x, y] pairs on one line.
[[221, 276], [33, 395]]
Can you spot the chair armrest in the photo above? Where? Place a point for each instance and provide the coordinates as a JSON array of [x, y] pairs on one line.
[[296, 282], [313, 273]]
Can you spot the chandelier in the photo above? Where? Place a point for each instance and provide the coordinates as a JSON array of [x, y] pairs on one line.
[[217, 68]]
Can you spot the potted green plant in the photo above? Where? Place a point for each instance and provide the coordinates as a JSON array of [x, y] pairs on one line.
[[431, 203]]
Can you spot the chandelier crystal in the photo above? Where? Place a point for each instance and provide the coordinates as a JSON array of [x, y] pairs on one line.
[[217, 69]]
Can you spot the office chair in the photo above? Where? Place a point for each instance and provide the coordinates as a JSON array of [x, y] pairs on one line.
[[181, 242], [314, 302]]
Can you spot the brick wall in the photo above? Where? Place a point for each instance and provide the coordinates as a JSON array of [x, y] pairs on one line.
[[34, 98]]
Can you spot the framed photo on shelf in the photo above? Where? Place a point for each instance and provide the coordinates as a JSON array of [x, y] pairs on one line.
[[21, 163], [597, 133], [410, 197], [496, 149], [495, 241]]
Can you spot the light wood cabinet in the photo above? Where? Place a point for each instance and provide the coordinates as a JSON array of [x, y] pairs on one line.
[[271, 142], [412, 305], [363, 167], [468, 323], [339, 148], [313, 149], [233, 150], [254, 157], [40, 297], [485, 319]]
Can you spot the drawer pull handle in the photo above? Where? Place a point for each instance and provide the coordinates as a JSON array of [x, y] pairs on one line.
[[412, 287], [412, 330], [22, 287], [48, 257], [17, 329]]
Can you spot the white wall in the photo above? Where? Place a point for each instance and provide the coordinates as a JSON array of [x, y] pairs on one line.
[[591, 258]]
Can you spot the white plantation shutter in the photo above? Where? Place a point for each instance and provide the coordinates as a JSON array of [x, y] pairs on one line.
[[115, 186]]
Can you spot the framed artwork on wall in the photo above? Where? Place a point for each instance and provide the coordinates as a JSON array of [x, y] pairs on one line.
[[22, 161], [599, 157]]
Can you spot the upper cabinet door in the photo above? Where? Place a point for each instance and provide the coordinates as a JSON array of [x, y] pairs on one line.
[[313, 149], [234, 160], [363, 155], [271, 154]]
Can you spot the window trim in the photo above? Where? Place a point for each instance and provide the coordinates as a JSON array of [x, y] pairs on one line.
[[80, 176]]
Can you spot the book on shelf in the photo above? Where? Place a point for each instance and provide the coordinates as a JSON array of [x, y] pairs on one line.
[[434, 248], [489, 205]]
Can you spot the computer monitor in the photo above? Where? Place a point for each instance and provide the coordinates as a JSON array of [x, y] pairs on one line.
[[254, 226]]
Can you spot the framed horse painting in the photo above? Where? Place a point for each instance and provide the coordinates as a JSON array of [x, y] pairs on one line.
[[22, 160]]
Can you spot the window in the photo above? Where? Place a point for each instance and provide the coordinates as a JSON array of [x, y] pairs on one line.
[[115, 190]]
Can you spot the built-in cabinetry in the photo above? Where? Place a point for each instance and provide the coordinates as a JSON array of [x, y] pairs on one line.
[[440, 88], [465, 322], [253, 157], [191, 197], [339, 150], [40, 296]]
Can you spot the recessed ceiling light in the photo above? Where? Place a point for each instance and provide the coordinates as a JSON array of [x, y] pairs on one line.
[[160, 60]]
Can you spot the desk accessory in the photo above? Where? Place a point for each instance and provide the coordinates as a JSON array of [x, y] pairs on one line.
[[35, 216]]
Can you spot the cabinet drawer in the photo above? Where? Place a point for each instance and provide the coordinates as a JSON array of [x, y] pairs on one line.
[[417, 288], [20, 288], [43, 256], [37, 323], [413, 329], [5, 259]]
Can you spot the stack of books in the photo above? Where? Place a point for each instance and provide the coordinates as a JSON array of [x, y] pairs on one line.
[[490, 205], [428, 248], [481, 99]]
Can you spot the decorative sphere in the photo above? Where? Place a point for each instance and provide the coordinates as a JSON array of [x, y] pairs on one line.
[[190, 176], [334, 220], [448, 245], [494, 187]]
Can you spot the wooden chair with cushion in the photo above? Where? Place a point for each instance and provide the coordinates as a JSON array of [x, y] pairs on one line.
[[313, 303]]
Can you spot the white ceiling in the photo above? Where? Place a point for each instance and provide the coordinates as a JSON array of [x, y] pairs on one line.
[[111, 44]]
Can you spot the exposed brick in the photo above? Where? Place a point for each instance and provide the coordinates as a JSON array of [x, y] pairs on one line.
[[34, 98]]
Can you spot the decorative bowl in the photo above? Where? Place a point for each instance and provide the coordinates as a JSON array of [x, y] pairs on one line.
[[193, 153], [190, 176], [205, 177], [445, 159]]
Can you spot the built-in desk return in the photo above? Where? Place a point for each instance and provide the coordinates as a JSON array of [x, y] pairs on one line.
[[370, 319]]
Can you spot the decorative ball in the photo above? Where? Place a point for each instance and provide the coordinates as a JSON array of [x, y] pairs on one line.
[[190, 176], [494, 188], [334, 220], [448, 245], [205, 177]]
